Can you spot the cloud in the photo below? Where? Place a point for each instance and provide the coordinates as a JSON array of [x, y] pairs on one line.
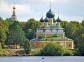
[[4, 6], [22, 10], [70, 18], [25, 9]]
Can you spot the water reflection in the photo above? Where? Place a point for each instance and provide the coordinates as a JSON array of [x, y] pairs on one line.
[[43, 59]]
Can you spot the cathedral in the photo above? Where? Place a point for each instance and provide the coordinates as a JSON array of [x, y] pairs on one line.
[[51, 31]]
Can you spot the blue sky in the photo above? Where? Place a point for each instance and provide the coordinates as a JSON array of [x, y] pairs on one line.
[[68, 9]]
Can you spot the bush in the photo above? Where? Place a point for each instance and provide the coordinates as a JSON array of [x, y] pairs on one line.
[[27, 47], [0, 46], [68, 52], [52, 49], [36, 52]]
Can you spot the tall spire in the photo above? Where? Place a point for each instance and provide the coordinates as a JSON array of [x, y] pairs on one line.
[[13, 14], [50, 5], [58, 13]]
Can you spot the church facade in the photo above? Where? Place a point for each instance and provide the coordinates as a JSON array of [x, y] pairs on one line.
[[51, 31]]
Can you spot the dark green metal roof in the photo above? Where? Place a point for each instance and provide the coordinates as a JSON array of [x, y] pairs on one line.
[[41, 20], [46, 20], [58, 19], [50, 14]]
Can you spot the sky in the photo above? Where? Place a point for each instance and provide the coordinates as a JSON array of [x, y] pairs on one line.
[[70, 10]]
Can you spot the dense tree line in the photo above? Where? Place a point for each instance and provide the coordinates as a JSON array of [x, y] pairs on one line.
[[9, 32], [75, 31]]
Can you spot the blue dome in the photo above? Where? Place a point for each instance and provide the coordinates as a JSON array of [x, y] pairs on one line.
[[58, 19], [41, 20], [46, 20], [50, 14]]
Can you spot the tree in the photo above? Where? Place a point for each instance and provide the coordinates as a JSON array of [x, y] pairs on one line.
[[32, 24], [64, 23], [1, 19], [78, 33], [2, 36], [27, 47], [52, 49], [0, 46], [8, 21], [68, 52], [70, 29], [16, 35], [30, 28], [30, 34], [83, 22], [3, 32], [80, 45]]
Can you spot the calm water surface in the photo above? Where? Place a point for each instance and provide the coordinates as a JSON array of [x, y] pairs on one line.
[[46, 59]]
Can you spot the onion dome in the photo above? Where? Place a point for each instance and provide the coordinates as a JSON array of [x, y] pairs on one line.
[[46, 20], [41, 20], [58, 19], [50, 14], [14, 7]]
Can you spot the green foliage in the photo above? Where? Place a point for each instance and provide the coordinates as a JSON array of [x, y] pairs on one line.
[[3, 31], [83, 22], [40, 37], [30, 34], [78, 33], [32, 24], [68, 52], [27, 47], [8, 21], [1, 19], [3, 25], [52, 49], [0, 46], [64, 23], [2, 36], [22, 24], [16, 34], [30, 28], [71, 28], [80, 45], [35, 52]]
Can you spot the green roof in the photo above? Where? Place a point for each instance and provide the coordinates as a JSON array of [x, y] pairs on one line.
[[55, 37], [50, 14], [58, 19]]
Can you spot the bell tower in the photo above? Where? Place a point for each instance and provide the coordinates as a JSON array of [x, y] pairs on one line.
[[13, 17]]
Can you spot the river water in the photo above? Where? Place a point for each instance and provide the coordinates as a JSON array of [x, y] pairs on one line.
[[46, 59]]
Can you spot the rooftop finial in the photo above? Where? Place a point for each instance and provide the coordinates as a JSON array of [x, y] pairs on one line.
[[14, 2], [14, 5], [58, 13], [50, 5]]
